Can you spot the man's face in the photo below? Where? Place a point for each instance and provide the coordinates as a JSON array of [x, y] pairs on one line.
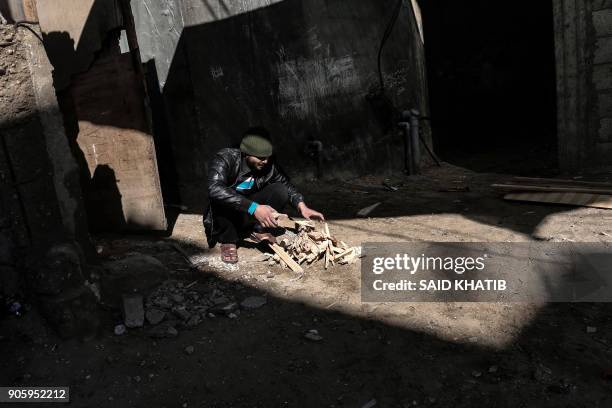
[[257, 163]]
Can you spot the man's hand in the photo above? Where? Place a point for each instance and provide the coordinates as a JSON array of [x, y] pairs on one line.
[[309, 213], [265, 215]]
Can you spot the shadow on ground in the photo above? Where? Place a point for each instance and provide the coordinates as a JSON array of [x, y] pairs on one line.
[[262, 359]]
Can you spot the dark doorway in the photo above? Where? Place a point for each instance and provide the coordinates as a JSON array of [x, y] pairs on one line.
[[491, 70]]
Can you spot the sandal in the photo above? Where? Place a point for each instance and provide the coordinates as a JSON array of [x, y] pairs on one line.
[[229, 253], [263, 236]]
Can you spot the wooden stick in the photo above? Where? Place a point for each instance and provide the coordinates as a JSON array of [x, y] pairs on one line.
[[295, 267], [343, 254]]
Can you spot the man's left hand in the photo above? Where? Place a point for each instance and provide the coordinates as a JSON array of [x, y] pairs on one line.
[[309, 213]]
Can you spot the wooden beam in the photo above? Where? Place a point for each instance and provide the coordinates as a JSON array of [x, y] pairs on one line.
[[548, 181], [577, 199], [558, 189]]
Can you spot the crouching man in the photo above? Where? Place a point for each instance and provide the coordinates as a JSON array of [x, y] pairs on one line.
[[245, 190]]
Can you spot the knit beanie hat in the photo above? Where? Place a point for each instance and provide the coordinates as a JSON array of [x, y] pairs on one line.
[[256, 145]]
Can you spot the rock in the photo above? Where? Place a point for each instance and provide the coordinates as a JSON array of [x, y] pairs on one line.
[[493, 369], [189, 350], [370, 404], [155, 316], [178, 298], [162, 302], [591, 329], [181, 313], [225, 309], [161, 331], [253, 302], [313, 335], [219, 300], [120, 330], [542, 374], [59, 270], [133, 311], [73, 313], [194, 320], [232, 316], [134, 274], [476, 374], [2, 71]]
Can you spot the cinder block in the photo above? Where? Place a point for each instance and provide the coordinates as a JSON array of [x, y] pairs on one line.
[[133, 311]]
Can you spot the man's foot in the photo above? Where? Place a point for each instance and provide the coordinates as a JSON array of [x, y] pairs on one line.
[[229, 253], [263, 236]]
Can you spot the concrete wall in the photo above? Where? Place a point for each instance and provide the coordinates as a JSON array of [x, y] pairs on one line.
[[301, 68], [584, 75]]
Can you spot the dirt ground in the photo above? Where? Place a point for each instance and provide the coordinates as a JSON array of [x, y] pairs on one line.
[[382, 355]]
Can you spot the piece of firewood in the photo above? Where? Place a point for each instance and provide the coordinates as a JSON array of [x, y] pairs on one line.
[[295, 267], [345, 253]]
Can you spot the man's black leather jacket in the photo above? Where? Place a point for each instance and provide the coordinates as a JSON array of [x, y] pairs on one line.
[[224, 171]]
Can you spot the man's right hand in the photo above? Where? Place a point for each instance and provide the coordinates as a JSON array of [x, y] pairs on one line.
[[265, 215]]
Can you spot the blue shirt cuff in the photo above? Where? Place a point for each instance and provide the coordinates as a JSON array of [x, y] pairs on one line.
[[252, 208]]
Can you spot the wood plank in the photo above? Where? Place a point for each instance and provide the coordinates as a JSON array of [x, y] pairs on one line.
[[576, 199], [558, 189], [294, 266], [536, 180], [285, 222]]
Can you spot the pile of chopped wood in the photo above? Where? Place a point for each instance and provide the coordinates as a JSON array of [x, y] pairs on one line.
[[309, 245]]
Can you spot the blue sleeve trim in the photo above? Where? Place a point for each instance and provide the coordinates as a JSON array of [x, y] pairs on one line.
[[252, 208]]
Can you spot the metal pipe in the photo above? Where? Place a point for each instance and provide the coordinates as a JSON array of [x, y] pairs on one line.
[[405, 126], [414, 141]]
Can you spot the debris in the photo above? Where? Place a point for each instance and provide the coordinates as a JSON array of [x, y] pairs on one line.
[[194, 320], [591, 329], [253, 302], [120, 330], [161, 331], [189, 350], [181, 313], [133, 311], [476, 374], [370, 404], [155, 316], [493, 369], [15, 308], [136, 273], [389, 187], [313, 335], [225, 309], [364, 212]]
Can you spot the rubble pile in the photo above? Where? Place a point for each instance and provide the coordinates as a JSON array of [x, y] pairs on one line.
[[175, 306], [188, 307]]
